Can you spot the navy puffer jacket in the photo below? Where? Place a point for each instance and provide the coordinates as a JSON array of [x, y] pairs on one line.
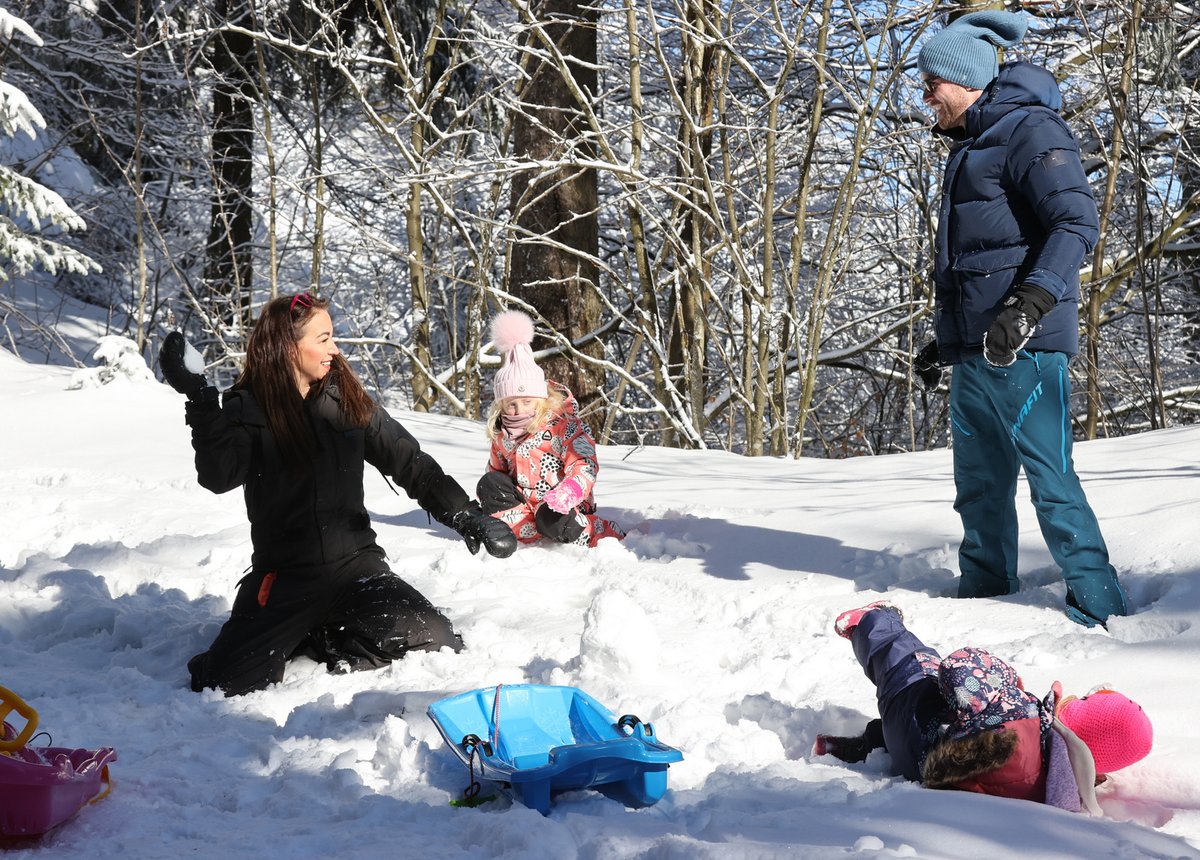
[[1016, 208]]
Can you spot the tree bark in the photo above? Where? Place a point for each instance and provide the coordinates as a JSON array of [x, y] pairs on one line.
[[554, 257], [228, 262], [688, 348]]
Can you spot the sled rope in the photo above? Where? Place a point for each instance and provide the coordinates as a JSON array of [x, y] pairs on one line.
[[473, 786], [470, 795], [496, 719], [471, 744]]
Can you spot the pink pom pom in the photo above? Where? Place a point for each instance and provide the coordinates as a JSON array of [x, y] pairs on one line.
[[511, 328]]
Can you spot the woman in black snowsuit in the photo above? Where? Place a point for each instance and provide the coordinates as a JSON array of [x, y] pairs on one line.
[[295, 431]]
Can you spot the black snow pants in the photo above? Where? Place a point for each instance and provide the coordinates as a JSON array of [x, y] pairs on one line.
[[352, 615]]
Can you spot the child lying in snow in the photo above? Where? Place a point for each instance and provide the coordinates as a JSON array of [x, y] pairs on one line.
[[965, 721]]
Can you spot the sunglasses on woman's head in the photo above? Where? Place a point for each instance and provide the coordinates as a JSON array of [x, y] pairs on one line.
[[304, 300]]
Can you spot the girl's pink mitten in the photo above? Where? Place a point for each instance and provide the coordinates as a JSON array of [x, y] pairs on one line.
[[563, 498]]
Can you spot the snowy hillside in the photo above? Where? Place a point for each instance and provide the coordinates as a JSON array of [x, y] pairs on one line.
[[713, 620]]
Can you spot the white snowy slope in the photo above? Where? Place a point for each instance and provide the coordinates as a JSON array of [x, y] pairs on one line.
[[712, 620]]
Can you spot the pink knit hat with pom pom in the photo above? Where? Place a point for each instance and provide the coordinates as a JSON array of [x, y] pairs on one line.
[[519, 375], [1115, 728]]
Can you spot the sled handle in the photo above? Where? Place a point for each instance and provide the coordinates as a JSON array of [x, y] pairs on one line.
[[631, 722], [9, 702], [472, 742]]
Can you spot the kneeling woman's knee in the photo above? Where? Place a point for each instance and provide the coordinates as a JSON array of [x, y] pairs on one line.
[[391, 613], [496, 492], [439, 634]]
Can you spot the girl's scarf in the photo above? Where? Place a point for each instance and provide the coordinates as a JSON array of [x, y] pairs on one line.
[[516, 426]]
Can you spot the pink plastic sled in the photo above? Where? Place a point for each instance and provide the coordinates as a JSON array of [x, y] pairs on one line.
[[41, 787]]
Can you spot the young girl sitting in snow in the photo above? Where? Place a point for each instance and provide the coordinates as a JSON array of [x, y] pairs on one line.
[[543, 465], [965, 722]]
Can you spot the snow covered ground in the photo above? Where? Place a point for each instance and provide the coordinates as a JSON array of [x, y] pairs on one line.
[[713, 620]]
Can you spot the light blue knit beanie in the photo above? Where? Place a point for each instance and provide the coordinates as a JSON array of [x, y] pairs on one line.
[[964, 52]]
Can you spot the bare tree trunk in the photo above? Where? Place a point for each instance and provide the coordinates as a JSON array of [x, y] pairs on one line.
[[688, 344], [1095, 292], [800, 226], [264, 100], [317, 165], [138, 187], [424, 394], [647, 296], [554, 258], [228, 265]]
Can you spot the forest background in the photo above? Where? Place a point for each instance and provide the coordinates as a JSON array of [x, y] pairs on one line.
[[719, 212]]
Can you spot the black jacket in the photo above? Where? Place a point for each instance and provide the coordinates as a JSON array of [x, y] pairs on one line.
[[303, 518]]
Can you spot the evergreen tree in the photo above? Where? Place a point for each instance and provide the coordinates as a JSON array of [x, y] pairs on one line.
[[30, 214]]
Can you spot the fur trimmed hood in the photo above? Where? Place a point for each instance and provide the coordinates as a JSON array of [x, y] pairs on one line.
[[953, 761], [1006, 762]]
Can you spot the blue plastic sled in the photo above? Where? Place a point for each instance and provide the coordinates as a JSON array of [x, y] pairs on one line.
[[537, 740]]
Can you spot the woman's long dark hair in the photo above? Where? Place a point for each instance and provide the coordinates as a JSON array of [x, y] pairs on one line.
[[272, 357]]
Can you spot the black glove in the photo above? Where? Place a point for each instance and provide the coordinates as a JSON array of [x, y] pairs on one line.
[[183, 369], [477, 528], [851, 749], [1015, 323], [925, 365]]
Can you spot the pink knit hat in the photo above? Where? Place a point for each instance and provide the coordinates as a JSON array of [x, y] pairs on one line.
[[1115, 728], [519, 375]]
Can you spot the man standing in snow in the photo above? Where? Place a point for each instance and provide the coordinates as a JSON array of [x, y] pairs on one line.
[[1017, 220]]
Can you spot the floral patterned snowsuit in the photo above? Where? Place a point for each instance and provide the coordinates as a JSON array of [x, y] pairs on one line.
[[561, 450]]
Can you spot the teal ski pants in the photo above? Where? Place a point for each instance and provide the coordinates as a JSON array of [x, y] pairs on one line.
[[1004, 419]]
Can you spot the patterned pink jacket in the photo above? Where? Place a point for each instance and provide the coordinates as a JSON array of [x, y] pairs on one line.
[[561, 450]]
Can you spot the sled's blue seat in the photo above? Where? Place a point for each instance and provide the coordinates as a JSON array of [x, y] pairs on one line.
[[537, 740]]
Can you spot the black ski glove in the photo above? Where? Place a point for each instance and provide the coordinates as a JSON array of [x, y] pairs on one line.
[[1015, 323], [183, 369], [478, 528], [925, 365]]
